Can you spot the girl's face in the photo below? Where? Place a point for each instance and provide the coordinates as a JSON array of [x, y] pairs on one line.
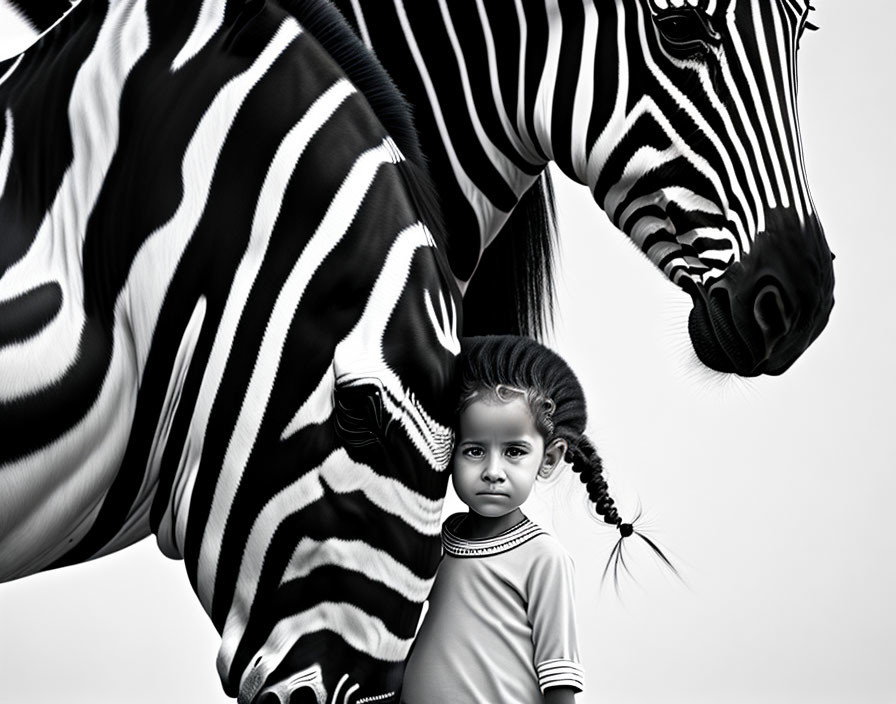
[[497, 456]]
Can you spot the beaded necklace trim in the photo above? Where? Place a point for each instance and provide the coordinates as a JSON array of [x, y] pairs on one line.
[[511, 538]]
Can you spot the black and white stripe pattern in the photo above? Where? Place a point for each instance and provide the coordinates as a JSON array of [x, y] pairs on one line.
[[560, 673], [225, 320], [679, 115]]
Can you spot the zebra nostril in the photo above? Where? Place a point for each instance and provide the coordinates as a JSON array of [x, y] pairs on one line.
[[770, 312]]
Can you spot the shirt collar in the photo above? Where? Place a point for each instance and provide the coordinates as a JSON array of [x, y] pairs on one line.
[[513, 537]]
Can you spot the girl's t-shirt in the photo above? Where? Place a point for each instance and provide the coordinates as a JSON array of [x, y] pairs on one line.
[[501, 621]]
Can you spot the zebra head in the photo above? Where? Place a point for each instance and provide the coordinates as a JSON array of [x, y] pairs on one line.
[[697, 158], [680, 115]]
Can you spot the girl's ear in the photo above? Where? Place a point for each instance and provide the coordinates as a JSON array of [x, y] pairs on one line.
[[553, 457]]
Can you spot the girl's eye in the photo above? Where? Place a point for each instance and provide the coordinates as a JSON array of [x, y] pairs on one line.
[[515, 452], [473, 452]]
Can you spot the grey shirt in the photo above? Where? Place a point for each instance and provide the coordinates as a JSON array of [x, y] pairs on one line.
[[501, 621]]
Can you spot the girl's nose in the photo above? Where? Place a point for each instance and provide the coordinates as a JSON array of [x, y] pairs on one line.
[[493, 473]]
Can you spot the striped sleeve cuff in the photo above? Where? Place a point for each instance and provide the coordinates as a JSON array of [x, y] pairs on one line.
[[560, 673]]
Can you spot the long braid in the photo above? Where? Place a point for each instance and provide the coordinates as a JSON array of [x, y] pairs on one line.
[[497, 364], [589, 466]]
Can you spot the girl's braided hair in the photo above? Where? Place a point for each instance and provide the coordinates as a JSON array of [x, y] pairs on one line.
[[498, 365]]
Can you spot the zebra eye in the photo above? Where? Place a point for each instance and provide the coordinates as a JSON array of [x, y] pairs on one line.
[[678, 27], [686, 32]]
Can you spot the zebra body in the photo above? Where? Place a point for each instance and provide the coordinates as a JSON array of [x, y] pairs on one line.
[[224, 320], [679, 115]]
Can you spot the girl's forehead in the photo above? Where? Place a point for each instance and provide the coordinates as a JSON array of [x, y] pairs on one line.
[[496, 417]]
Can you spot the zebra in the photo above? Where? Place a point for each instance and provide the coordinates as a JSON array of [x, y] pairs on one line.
[[679, 115], [226, 319]]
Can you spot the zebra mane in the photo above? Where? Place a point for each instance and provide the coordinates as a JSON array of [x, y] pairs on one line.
[[512, 291]]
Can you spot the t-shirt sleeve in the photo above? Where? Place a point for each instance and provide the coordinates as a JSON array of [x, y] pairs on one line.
[[551, 609]]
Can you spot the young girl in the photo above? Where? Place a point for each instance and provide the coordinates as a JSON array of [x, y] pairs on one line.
[[501, 625]]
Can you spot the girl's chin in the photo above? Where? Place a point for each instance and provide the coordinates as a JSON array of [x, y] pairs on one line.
[[493, 509]]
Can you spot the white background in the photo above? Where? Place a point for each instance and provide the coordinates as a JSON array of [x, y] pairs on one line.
[[772, 496]]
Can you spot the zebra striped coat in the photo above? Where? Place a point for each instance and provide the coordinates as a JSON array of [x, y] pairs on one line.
[[679, 115], [225, 319]]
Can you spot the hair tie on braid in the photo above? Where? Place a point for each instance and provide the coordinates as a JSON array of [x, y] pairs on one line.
[[626, 529]]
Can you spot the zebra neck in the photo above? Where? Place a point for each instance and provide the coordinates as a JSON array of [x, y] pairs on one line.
[[461, 71]]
